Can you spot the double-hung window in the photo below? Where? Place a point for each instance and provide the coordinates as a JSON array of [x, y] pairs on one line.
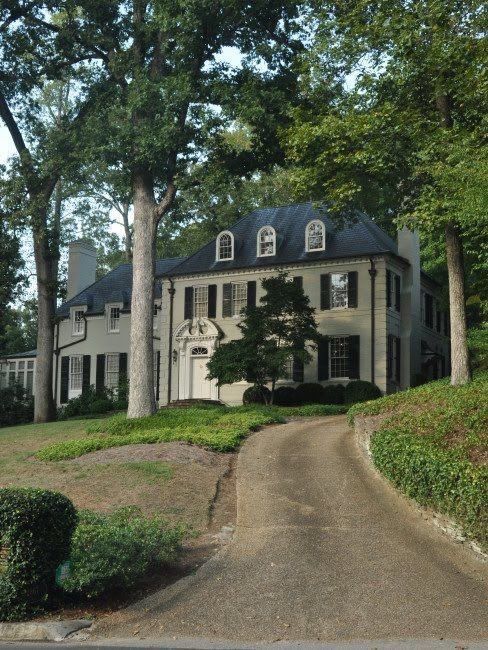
[[200, 301], [12, 367], [112, 371], [339, 357], [29, 384], [21, 373], [239, 297], [76, 372], [113, 319], [78, 322], [338, 290]]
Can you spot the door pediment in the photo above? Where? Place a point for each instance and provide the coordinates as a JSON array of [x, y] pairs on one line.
[[198, 329]]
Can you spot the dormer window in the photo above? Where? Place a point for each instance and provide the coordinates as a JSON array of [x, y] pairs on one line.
[[266, 241], [315, 236], [113, 319], [78, 316], [225, 246]]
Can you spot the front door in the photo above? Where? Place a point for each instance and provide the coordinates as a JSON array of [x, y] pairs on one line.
[[200, 385]]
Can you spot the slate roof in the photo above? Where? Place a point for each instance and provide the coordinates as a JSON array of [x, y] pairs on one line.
[[359, 237], [116, 286], [21, 355]]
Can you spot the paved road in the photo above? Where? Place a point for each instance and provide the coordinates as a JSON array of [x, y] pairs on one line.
[[324, 551]]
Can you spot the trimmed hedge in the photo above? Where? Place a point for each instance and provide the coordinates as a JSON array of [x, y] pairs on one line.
[[35, 535], [310, 393], [285, 396], [361, 391], [435, 477], [334, 394], [92, 402], [115, 551], [256, 395]]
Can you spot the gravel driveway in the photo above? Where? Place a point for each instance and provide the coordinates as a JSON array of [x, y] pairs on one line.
[[324, 550]]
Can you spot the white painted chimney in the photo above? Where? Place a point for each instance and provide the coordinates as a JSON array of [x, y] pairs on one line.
[[409, 248], [82, 267]]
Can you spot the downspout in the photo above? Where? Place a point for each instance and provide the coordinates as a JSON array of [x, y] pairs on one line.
[[58, 349], [372, 273], [171, 292]]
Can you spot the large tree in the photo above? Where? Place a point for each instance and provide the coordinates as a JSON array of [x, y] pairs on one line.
[[407, 141]]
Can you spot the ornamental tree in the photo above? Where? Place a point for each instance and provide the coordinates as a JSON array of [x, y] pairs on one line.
[[281, 328]]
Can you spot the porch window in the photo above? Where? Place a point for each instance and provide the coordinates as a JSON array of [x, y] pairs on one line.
[[12, 366], [113, 319], [21, 373], [76, 372], [339, 357], [200, 301], [29, 384], [78, 322], [338, 290], [239, 297], [112, 371]]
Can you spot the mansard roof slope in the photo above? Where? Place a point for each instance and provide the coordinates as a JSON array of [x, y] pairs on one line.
[[359, 237]]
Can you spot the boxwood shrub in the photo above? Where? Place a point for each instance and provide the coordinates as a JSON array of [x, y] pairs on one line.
[[256, 395], [361, 391], [334, 394], [285, 396], [36, 527], [310, 393], [435, 477]]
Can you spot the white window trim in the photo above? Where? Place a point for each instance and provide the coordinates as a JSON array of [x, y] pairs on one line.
[[75, 392], [258, 242], [307, 229], [109, 309], [217, 247], [74, 311], [233, 301]]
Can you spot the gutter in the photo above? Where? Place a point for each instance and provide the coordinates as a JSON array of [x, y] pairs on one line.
[[372, 273], [58, 349], [171, 292]]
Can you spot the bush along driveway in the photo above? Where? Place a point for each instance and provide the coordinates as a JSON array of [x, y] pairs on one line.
[[323, 550], [432, 444]]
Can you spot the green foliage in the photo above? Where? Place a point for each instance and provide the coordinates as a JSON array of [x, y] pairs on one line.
[[478, 348], [35, 533], [310, 393], [115, 551], [432, 447], [283, 326], [334, 394], [285, 396], [15, 406], [92, 402], [256, 395], [361, 391]]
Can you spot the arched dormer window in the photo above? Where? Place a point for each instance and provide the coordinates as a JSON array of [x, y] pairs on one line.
[[225, 246], [266, 241], [315, 236]]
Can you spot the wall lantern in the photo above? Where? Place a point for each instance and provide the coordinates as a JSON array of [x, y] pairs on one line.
[[175, 356]]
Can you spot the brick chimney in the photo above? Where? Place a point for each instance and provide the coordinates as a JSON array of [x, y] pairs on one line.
[[82, 267]]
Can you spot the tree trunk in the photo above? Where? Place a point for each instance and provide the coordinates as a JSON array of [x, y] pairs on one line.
[[127, 231], [141, 378], [44, 406], [460, 368]]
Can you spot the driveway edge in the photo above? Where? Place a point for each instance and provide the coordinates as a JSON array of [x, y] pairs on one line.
[[41, 631]]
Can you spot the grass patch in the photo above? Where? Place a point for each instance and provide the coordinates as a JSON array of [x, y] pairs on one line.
[[151, 470], [434, 447], [218, 428]]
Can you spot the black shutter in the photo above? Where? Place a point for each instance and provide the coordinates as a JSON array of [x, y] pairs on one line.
[[325, 291], [86, 373], [398, 350], [352, 289], [354, 357], [389, 357], [251, 293], [227, 300], [188, 302], [323, 360], [100, 378], [397, 292], [298, 280], [297, 370], [63, 397], [122, 368], [212, 300], [388, 288], [158, 372], [429, 311]]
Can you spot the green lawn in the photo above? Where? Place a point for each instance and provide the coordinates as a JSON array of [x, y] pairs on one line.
[[433, 445], [218, 428]]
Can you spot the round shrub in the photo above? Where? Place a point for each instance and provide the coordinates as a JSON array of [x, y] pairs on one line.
[[361, 391], [334, 394], [256, 395], [285, 396], [36, 527], [310, 393]]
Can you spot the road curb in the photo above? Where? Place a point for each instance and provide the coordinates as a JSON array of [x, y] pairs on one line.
[[41, 631]]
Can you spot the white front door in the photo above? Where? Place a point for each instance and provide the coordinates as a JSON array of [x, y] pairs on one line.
[[201, 387]]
